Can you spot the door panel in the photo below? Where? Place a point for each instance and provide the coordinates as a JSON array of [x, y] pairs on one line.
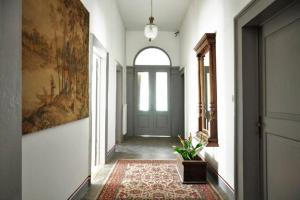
[[152, 115], [161, 92], [161, 114], [161, 121], [143, 121], [143, 116], [281, 105], [282, 167], [282, 73]]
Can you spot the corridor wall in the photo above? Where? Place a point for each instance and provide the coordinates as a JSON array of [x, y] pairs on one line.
[[56, 161], [212, 16]]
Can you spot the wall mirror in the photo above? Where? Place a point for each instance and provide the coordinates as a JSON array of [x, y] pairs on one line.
[[206, 54]]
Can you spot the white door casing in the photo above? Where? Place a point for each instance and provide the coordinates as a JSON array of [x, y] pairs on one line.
[[98, 105]]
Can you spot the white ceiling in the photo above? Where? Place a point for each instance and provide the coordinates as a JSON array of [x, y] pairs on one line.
[[168, 14]]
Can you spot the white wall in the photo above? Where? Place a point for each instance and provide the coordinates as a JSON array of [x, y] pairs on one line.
[[107, 25], [135, 41], [56, 161], [207, 16], [10, 99]]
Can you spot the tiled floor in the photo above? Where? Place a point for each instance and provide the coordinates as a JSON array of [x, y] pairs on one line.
[[135, 148]]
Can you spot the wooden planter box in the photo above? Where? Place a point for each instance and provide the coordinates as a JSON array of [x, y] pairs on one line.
[[192, 171]]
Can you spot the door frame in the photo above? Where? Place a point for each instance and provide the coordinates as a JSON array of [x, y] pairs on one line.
[[149, 47], [119, 104], [248, 166], [134, 84], [136, 69], [95, 44]]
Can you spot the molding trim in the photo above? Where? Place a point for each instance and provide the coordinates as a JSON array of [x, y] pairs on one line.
[[219, 183], [175, 70], [110, 154], [106, 100], [149, 47], [181, 70], [81, 190]]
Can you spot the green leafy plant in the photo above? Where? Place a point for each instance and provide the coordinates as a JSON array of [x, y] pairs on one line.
[[188, 151]]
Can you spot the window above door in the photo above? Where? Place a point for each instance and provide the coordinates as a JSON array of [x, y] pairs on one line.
[[152, 56]]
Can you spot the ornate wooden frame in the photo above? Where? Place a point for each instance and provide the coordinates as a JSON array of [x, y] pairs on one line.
[[208, 44]]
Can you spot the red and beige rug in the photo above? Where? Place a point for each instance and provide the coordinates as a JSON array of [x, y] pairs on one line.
[[152, 179]]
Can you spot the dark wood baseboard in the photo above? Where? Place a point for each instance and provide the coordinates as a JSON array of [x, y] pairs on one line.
[[81, 190], [110, 154], [219, 183]]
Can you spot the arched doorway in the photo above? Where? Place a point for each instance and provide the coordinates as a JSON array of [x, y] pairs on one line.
[[152, 67]]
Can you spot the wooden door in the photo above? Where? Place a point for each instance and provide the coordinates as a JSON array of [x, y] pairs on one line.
[[280, 48], [152, 108]]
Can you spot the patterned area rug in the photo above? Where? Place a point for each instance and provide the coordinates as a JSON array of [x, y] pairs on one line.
[[152, 179]]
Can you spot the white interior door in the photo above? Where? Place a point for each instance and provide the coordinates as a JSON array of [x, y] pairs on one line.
[[281, 105], [98, 110]]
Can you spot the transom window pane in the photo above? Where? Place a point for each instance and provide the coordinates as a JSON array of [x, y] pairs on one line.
[[152, 56], [143, 88], [161, 91]]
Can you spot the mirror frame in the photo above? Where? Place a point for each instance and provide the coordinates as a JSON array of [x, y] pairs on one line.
[[205, 45]]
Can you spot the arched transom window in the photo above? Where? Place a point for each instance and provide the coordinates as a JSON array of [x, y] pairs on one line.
[[152, 56]]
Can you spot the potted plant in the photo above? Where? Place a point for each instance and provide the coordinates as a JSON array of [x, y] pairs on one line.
[[191, 168]]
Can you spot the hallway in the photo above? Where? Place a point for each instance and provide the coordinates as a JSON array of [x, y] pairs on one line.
[[89, 87], [143, 148]]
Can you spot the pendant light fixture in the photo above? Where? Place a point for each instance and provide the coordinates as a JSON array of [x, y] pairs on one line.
[[151, 30]]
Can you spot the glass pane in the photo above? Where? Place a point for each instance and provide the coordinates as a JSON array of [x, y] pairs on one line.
[[206, 92], [206, 59], [207, 96], [161, 91], [143, 89], [152, 56]]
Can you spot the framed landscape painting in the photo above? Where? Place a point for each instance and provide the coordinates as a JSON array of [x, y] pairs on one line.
[[55, 79]]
